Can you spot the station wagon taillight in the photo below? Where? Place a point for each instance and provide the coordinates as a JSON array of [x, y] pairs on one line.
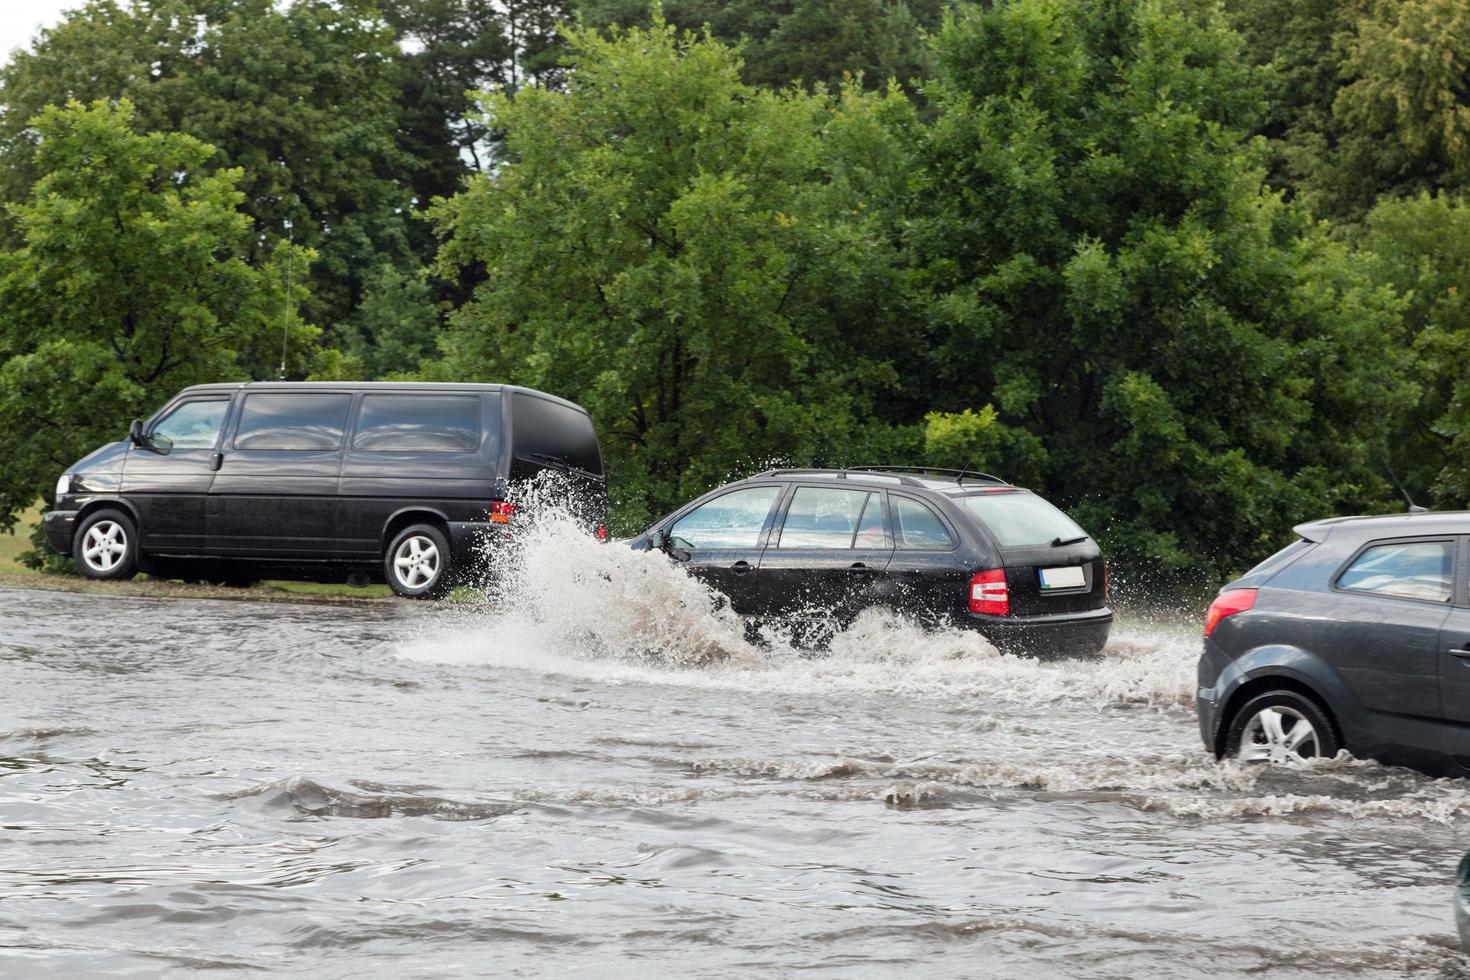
[[989, 593], [501, 511], [1228, 604]]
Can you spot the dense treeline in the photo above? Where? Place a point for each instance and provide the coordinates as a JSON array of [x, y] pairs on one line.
[[1194, 268]]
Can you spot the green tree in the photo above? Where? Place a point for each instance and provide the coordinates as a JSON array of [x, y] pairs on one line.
[[132, 281], [303, 98], [694, 260], [785, 41], [1198, 364], [1421, 247]]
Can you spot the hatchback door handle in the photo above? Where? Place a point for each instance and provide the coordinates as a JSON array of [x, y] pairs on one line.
[[1460, 652], [741, 567]]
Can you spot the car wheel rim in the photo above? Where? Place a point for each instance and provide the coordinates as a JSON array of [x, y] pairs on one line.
[[1279, 735], [416, 562], [104, 546]]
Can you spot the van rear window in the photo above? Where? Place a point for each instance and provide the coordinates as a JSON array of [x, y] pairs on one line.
[[544, 428], [293, 421], [1020, 519], [418, 423]]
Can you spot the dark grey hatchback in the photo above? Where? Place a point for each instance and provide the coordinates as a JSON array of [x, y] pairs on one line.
[[951, 547], [1356, 636]]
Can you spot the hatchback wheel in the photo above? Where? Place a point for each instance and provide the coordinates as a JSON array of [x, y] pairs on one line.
[[106, 546], [1282, 728], [417, 563]]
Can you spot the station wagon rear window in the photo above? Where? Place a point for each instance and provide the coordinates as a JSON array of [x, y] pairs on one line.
[[418, 423], [1018, 519], [293, 421]]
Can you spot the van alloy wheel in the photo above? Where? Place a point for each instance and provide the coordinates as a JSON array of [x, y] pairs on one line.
[[104, 546], [1280, 735], [416, 562]]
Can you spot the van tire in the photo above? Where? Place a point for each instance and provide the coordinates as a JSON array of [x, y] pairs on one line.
[[111, 537], [417, 563]]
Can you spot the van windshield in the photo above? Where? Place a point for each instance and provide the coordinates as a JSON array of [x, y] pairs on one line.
[[1019, 518]]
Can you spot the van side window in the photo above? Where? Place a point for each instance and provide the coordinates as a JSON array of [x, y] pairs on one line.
[[917, 527], [544, 428], [306, 421], [1407, 569], [418, 423], [192, 425]]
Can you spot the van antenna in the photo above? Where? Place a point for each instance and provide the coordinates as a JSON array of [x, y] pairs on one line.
[[1413, 507], [286, 305]]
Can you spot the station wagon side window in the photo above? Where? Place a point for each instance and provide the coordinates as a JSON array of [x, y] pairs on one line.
[[827, 517], [917, 528], [731, 520], [418, 423], [293, 421], [1403, 569], [191, 425]]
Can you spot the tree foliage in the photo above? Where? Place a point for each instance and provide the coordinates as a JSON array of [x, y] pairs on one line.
[[685, 252], [131, 281]]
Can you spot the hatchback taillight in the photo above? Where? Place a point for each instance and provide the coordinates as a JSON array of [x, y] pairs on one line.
[[501, 511], [1228, 604], [989, 593]]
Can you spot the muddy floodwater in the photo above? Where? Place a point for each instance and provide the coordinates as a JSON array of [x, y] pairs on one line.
[[603, 778]]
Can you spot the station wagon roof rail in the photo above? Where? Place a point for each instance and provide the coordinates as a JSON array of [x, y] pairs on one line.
[[833, 473], [959, 475]]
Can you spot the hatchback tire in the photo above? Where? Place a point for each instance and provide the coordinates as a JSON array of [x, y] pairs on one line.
[[1282, 728], [106, 546], [417, 563]]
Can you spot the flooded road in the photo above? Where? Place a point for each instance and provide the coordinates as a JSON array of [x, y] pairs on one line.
[[595, 786]]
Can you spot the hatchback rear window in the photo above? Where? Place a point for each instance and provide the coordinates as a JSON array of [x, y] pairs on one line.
[[422, 423], [1405, 569], [1019, 519]]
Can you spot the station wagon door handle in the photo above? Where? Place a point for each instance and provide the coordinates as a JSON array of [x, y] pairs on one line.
[[859, 568], [1460, 652], [216, 461], [741, 567]]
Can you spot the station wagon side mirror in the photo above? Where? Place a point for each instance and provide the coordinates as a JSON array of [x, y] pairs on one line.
[[658, 539], [135, 433]]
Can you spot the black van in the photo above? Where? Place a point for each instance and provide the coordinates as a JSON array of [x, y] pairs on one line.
[[321, 481]]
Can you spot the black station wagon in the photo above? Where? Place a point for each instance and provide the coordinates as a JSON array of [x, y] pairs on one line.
[[1356, 636], [391, 481], [948, 547]]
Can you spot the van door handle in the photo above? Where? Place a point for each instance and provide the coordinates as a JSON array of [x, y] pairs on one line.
[[741, 567], [1460, 652], [216, 461]]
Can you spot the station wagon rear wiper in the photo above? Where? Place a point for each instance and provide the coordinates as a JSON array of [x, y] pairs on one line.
[[1059, 542]]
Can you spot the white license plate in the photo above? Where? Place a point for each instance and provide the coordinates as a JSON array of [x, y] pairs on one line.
[[1062, 578]]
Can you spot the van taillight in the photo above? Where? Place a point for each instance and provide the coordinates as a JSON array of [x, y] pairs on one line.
[[1228, 604], [602, 532], [1104, 564], [501, 512], [989, 593]]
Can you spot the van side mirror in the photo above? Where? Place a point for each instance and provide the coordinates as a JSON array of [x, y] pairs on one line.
[[157, 444]]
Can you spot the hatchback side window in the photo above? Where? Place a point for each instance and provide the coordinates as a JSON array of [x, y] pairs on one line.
[[306, 421], [193, 425], [917, 527], [731, 520], [824, 517], [1405, 569]]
